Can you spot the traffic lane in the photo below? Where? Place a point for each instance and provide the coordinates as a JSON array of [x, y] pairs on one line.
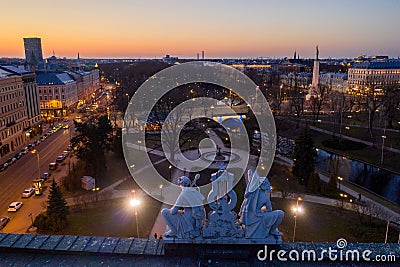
[[21, 219], [19, 176]]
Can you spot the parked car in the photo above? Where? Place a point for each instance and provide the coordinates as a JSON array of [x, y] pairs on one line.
[[53, 166], [37, 142], [66, 126], [3, 222], [31, 146], [65, 153], [18, 155], [42, 138], [28, 192], [24, 150], [69, 148], [11, 161], [3, 166], [14, 206], [45, 176], [60, 159], [66, 120]]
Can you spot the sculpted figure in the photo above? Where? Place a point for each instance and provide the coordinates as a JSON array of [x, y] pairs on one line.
[[256, 214], [185, 218]]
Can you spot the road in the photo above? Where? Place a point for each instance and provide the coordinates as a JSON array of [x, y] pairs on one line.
[[19, 176]]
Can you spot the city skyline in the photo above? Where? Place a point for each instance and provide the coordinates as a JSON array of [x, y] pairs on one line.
[[133, 29]]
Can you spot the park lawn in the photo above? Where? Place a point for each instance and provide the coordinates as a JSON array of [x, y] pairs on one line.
[[321, 223], [114, 218]]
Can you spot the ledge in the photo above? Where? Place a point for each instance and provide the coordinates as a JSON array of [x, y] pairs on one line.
[[81, 244]]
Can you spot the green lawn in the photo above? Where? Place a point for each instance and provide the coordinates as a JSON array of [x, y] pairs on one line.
[[321, 223], [113, 218]]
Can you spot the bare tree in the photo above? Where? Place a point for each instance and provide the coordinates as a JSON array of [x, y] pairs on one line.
[[316, 102], [390, 104], [297, 102]]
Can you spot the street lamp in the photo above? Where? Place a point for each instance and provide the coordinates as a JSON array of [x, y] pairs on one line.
[[383, 145], [347, 129], [170, 172], [38, 160], [296, 211], [343, 196], [161, 187], [96, 190], [127, 96], [134, 202], [340, 179]]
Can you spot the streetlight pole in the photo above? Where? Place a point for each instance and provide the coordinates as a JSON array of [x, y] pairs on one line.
[[343, 196], [96, 190], [135, 203], [296, 212], [383, 145], [161, 187], [137, 225], [35, 151], [340, 179], [127, 96]]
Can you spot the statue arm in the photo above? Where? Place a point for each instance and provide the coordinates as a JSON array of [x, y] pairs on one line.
[[174, 210], [267, 204]]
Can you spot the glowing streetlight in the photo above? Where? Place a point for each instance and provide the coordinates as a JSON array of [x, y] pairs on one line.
[[127, 96], [135, 203], [340, 179], [170, 172], [297, 209], [161, 187], [96, 189], [38, 160], [347, 129], [343, 196]]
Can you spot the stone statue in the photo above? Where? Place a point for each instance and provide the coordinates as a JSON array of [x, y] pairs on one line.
[[222, 220], [185, 218], [256, 214]]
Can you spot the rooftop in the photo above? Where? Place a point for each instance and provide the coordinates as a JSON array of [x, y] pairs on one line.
[[391, 64], [53, 78]]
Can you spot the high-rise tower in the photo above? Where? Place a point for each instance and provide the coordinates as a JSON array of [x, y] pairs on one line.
[[33, 50]]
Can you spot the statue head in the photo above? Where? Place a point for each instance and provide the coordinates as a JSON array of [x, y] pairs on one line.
[[184, 181], [256, 182], [266, 185]]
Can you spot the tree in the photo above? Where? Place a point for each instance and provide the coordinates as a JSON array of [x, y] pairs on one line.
[[332, 185], [390, 103], [93, 141], [317, 101], [297, 102], [55, 217], [304, 156], [57, 205], [313, 183]]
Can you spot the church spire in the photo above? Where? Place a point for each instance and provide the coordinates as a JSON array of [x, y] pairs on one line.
[[294, 56], [78, 56]]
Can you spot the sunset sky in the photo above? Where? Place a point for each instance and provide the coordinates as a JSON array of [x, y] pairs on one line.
[[223, 28]]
